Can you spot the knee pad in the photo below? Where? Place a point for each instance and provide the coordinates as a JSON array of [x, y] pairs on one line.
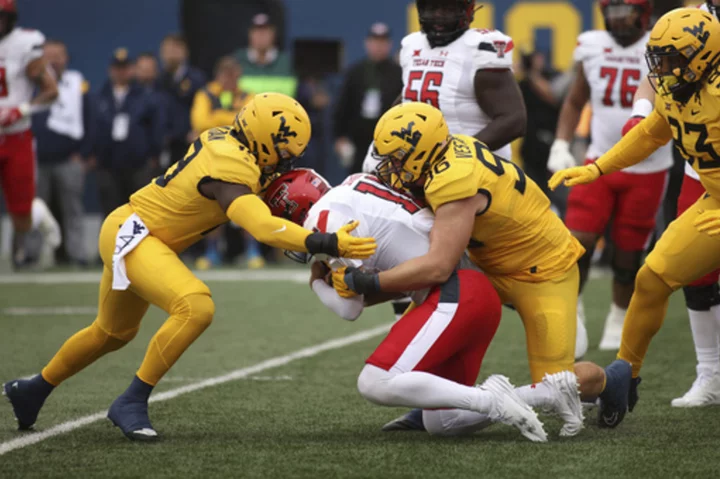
[[702, 298], [197, 308]]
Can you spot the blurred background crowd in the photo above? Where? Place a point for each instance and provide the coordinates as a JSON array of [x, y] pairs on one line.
[[133, 112]]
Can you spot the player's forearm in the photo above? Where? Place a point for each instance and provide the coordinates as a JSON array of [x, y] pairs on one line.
[[415, 274], [639, 143], [250, 213], [503, 130], [347, 308], [570, 114], [48, 90]]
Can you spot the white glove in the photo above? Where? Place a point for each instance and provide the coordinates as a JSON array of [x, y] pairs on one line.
[[560, 156]]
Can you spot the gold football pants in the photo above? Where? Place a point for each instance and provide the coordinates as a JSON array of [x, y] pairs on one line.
[[157, 276]]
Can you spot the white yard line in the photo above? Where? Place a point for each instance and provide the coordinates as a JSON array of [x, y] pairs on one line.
[[49, 311], [294, 275], [33, 438]]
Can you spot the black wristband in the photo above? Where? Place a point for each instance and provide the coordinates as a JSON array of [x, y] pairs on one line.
[[326, 243], [362, 282], [596, 166]]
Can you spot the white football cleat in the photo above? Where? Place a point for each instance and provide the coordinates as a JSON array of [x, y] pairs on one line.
[[705, 391], [511, 410], [567, 401], [612, 334]]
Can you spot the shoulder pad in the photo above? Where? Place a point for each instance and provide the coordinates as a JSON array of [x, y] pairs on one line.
[[491, 49], [592, 43], [455, 178], [413, 39]]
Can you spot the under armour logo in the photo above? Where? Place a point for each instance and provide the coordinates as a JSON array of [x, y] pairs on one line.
[[698, 31], [137, 228], [407, 134], [284, 132]]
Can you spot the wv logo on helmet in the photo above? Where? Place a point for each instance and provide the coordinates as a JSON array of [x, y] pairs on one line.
[[698, 31], [284, 132], [407, 134]]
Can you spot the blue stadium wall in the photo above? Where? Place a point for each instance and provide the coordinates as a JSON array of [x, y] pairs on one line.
[[93, 28]]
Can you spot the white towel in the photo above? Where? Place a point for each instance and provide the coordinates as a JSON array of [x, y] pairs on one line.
[[131, 233], [66, 113]]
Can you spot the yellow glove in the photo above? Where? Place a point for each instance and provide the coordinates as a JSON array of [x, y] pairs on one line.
[[338, 282], [351, 247], [578, 175], [708, 222]]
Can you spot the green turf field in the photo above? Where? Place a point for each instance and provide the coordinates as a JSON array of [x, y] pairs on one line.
[[304, 418]]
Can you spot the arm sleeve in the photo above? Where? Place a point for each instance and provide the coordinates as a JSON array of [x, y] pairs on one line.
[[347, 308], [253, 215], [203, 116], [649, 135]]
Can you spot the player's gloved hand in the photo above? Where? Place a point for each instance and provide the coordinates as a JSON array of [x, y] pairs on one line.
[[631, 123], [11, 115], [560, 156], [578, 175], [341, 244], [708, 222], [351, 281]]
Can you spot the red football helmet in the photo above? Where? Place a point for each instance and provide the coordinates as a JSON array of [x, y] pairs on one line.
[[292, 194], [8, 16], [617, 14]]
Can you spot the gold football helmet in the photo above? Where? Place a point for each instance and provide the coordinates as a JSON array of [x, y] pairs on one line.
[[408, 140], [684, 48], [277, 129]]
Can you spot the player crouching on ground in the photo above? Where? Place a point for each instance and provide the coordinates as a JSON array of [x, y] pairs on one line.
[[218, 181], [432, 356], [684, 59]]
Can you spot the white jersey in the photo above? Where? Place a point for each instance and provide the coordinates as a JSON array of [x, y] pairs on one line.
[[614, 73], [17, 49], [445, 76], [400, 226]]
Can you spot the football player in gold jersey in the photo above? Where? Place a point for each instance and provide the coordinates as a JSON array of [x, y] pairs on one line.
[[487, 205], [219, 180], [684, 58]]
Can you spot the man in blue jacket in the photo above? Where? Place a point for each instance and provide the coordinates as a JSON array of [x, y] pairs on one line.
[[129, 136]]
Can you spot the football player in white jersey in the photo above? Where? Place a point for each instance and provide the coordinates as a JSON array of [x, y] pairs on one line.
[[610, 65], [22, 73], [702, 296], [466, 73], [434, 352]]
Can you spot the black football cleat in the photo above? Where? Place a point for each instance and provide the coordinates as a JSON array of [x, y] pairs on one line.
[[614, 399], [131, 416], [412, 421], [27, 397]]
